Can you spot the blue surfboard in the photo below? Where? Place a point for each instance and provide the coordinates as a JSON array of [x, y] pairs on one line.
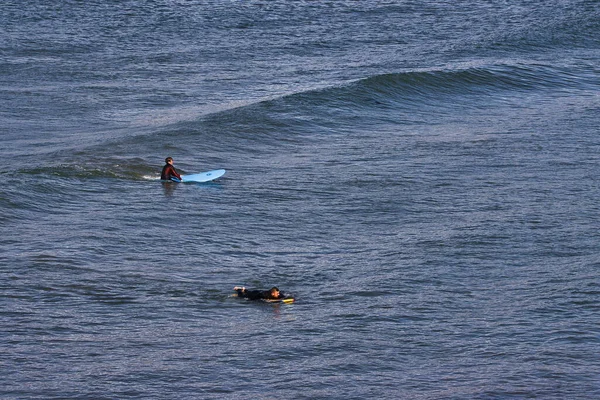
[[201, 177]]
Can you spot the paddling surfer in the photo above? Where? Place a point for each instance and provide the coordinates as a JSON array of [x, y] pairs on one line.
[[271, 294]]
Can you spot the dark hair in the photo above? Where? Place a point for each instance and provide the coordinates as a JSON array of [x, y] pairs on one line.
[[274, 288], [168, 159]]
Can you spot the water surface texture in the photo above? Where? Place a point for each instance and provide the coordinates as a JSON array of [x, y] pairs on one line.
[[422, 175]]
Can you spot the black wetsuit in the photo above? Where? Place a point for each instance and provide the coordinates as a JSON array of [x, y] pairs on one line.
[[169, 172], [258, 294]]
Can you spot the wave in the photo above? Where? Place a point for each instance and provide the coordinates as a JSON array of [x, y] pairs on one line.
[[97, 168], [262, 128], [469, 85], [431, 84], [409, 97]]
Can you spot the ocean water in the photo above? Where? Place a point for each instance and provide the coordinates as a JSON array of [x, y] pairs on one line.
[[422, 176]]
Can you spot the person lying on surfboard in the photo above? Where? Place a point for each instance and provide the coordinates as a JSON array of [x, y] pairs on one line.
[[168, 171], [271, 294]]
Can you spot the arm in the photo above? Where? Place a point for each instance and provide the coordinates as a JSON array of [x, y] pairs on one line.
[[174, 173]]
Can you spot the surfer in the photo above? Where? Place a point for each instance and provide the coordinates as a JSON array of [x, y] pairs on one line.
[[271, 294], [168, 170]]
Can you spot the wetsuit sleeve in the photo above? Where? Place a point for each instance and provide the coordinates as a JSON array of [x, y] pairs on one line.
[[168, 172], [174, 173]]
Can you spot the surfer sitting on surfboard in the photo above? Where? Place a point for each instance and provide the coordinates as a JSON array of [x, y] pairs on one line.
[[168, 171], [271, 294]]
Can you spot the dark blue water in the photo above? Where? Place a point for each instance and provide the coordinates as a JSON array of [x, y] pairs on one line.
[[422, 176]]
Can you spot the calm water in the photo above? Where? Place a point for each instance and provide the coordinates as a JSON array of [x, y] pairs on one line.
[[422, 176]]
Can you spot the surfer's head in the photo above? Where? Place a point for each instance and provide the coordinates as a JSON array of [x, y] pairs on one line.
[[169, 160], [274, 292]]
